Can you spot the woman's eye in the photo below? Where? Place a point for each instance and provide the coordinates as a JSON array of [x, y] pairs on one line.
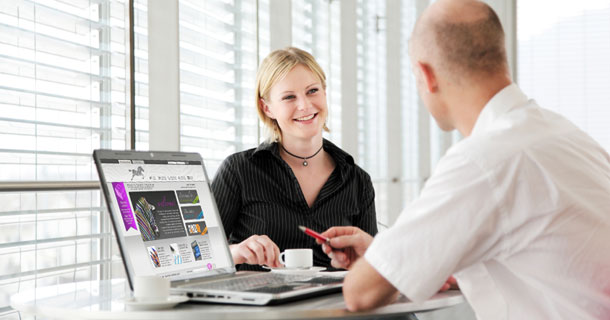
[[290, 97], [314, 90]]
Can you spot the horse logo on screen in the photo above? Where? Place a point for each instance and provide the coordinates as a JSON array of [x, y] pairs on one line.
[[139, 172]]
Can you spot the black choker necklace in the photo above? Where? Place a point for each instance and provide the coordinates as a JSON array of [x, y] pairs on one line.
[[305, 163]]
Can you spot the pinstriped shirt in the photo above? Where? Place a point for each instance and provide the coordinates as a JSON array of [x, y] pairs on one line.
[[257, 193]]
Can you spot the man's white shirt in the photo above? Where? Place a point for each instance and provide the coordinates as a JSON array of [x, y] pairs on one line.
[[519, 212]]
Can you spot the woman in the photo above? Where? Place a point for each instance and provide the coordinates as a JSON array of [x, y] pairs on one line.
[[294, 178]]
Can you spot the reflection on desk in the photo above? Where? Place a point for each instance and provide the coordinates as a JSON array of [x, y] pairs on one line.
[[106, 300]]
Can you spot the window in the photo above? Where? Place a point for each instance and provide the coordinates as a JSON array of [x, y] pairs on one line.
[[140, 22], [218, 61], [316, 28], [412, 111], [372, 137], [62, 94], [562, 60]]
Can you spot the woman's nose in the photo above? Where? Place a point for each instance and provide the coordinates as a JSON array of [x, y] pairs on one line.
[[303, 104]]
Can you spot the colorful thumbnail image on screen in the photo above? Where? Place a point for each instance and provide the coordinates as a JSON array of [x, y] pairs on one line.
[[154, 256], [187, 196], [146, 220], [157, 214], [196, 251], [192, 213], [173, 247], [196, 228]]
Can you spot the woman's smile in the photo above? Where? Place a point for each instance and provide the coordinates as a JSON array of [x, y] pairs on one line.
[[306, 119]]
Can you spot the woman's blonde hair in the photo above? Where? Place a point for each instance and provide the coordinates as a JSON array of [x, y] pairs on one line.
[[273, 69]]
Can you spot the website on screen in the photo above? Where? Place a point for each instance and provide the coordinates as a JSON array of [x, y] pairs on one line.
[[166, 217]]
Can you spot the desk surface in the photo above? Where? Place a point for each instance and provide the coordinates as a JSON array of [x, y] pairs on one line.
[[105, 300]]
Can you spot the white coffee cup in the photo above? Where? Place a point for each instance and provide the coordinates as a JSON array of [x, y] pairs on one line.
[[150, 288], [297, 258]]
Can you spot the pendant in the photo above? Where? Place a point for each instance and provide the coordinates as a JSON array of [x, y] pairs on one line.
[[305, 163]]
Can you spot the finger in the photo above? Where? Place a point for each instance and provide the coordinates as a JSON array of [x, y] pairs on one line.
[[258, 250], [265, 242], [453, 282], [340, 261], [327, 249], [276, 262], [341, 242], [339, 265], [270, 250], [340, 257], [247, 254], [270, 256], [338, 231]]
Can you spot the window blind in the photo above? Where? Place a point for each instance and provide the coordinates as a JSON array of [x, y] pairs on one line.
[[411, 110], [562, 60], [371, 95], [316, 28], [62, 94], [218, 61], [140, 21]]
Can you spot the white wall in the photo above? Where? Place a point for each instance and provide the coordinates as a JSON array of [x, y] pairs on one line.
[[164, 76]]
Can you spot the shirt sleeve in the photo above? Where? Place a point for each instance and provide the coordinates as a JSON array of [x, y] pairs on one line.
[[367, 218], [226, 190], [454, 223]]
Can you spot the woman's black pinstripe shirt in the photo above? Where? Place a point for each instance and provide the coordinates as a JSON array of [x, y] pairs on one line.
[[257, 193]]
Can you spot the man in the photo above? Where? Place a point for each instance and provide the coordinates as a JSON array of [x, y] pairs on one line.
[[518, 211]]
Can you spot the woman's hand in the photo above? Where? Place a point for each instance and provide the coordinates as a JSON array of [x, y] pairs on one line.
[[256, 250]]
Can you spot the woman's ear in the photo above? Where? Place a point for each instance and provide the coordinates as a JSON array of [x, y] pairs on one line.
[[428, 76], [263, 105]]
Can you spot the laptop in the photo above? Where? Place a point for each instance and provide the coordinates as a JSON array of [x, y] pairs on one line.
[[167, 224]]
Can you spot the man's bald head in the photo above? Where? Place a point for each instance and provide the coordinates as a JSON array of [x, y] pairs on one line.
[[462, 38]]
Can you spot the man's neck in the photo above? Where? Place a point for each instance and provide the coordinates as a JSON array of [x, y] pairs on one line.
[[473, 99]]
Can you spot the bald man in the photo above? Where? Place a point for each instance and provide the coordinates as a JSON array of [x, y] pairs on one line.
[[518, 211]]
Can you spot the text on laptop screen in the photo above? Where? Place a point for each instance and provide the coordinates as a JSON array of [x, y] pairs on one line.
[[168, 220]]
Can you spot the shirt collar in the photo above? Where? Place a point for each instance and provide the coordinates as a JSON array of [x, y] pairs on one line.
[[267, 147], [342, 158], [506, 99]]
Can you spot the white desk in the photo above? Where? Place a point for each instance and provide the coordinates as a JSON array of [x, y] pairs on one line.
[[104, 300]]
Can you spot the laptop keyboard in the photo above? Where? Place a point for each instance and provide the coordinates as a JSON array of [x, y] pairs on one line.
[[266, 282]]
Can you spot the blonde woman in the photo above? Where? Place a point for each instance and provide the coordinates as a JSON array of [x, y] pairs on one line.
[[294, 178]]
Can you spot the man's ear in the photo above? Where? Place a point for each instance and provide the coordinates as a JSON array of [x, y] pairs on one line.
[[263, 105], [428, 76]]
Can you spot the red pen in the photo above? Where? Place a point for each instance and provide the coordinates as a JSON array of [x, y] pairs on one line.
[[314, 234]]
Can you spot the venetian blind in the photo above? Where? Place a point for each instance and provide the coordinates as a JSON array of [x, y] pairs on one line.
[[62, 94], [218, 61], [140, 21], [316, 28], [562, 60], [371, 96], [411, 110]]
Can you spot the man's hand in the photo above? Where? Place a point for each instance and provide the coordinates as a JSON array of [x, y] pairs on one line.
[[256, 250], [364, 288], [451, 283], [347, 244]]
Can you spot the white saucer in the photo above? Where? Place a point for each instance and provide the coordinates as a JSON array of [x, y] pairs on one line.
[[168, 303], [305, 271]]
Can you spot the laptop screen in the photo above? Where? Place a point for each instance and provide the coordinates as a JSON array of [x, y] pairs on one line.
[[164, 214]]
